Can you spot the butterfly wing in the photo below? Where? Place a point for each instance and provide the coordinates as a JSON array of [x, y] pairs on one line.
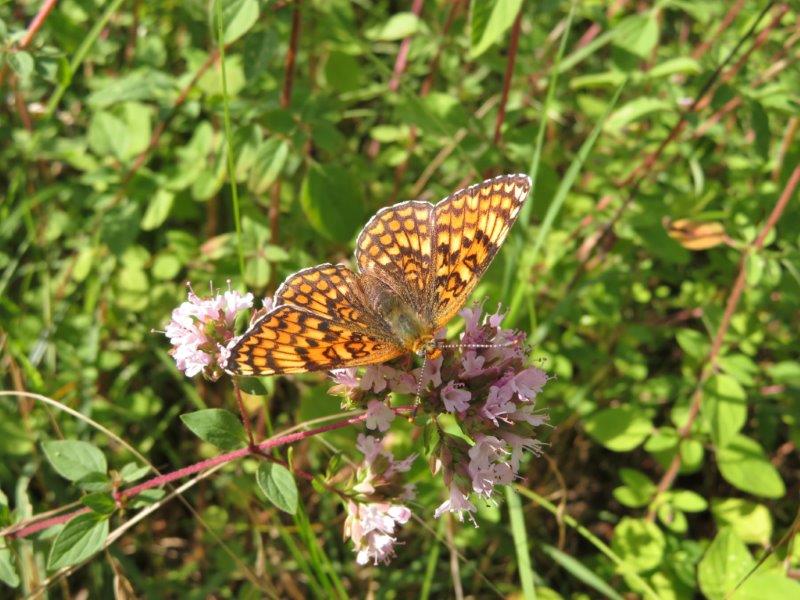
[[396, 247], [322, 322], [470, 226]]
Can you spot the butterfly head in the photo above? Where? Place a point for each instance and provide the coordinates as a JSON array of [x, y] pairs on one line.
[[428, 348]]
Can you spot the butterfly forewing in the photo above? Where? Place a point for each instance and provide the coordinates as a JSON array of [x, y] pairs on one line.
[[397, 246], [335, 292], [470, 226], [294, 340]]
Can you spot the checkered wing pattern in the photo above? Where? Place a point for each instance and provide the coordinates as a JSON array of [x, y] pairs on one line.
[[470, 226], [290, 339], [396, 247]]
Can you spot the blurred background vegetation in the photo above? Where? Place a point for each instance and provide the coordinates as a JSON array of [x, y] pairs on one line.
[[656, 271]]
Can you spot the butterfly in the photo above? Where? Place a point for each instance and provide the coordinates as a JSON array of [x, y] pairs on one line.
[[416, 265]]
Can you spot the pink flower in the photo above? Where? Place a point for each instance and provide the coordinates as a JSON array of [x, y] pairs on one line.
[[369, 446], [529, 382], [371, 527], [432, 374], [487, 465], [472, 364], [495, 319], [455, 399], [403, 383], [499, 403], [458, 503], [472, 318], [518, 445], [201, 331], [379, 416], [374, 379]]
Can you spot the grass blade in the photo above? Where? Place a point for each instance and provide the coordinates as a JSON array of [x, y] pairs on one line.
[[533, 168], [520, 544], [229, 138], [580, 572], [592, 539], [558, 201]]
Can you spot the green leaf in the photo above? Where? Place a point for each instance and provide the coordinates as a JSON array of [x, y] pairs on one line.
[[331, 200], [238, 16], [216, 426], [724, 408], [132, 472], [21, 62], [724, 564], [751, 522], [158, 210], [688, 501], [278, 485], [775, 586], [786, 372], [82, 537], [8, 573], [142, 85], [673, 66], [637, 491], [400, 25], [489, 21], [108, 135], [619, 429], [637, 34], [73, 459], [694, 343], [635, 110], [639, 543], [269, 161], [100, 503], [743, 464]]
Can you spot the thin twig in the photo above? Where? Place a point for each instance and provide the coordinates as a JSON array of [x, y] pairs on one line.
[[274, 213], [38, 21], [512, 58], [644, 169], [719, 337], [400, 63]]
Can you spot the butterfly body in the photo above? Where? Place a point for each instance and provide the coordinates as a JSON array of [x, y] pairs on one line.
[[417, 264]]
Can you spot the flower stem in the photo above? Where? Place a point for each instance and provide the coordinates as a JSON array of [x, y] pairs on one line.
[[29, 529]]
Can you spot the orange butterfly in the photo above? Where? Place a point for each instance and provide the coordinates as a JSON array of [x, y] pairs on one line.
[[417, 264]]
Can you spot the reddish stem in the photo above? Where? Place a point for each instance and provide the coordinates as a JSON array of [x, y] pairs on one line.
[[512, 58], [719, 337], [399, 67], [285, 100], [38, 21], [203, 465]]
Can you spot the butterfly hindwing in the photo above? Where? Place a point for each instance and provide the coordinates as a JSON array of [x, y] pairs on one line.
[[470, 227], [289, 339]]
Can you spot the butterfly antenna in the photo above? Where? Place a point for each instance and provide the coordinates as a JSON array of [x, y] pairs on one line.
[[504, 345]]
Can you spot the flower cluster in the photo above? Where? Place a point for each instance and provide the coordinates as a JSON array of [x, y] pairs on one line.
[[372, 512], [483, 382], [201, 331]]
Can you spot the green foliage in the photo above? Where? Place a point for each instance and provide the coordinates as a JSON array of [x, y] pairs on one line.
[[216, 426], [128, 168], [278, 485]]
